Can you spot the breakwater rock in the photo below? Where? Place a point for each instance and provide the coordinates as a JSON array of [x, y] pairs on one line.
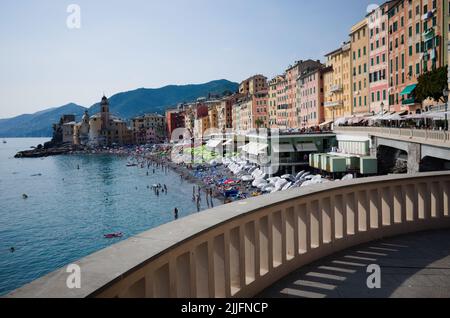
[[43, 152]]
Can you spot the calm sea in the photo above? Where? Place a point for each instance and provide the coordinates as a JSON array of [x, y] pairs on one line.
[[68, 210]]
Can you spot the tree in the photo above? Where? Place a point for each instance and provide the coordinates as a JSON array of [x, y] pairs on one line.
[[227, 93], [431, 85], [259, 123]]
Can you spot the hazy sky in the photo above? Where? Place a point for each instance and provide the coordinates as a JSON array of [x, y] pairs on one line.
[[124, 45]]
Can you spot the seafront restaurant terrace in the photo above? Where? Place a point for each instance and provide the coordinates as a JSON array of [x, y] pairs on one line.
[[288, 150], [243, 248]]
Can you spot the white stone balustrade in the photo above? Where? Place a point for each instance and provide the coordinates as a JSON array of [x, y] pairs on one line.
[[237, 250]]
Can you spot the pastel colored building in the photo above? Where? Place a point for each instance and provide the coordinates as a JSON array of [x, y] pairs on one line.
[[225, 112], [338, 83], [359, 38], [149, 128], [175, 119], [213, 116], [310, 97], [417, 34], [272, 101], [378, 58], [259, 115], [447, 25], [253, 85], [287, 93], [282, 113]]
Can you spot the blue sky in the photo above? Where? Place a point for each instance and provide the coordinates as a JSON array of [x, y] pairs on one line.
[[124, 45]]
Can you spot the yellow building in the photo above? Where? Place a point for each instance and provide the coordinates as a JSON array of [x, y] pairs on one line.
[[272, 101], [359, 37], [338, 83], [253, 85], [201, 124], [225, 113], [213, 114]]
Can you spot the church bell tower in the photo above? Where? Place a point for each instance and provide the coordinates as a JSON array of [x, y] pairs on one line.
[[104, 110]]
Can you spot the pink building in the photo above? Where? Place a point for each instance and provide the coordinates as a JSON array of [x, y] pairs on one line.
[[378, 58], [282, 106], [260, 113], [288, 93], [310, 97]]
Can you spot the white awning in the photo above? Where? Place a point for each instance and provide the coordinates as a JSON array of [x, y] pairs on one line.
[[213, 143], [356, 120], [306, 147], [280, 148], [326, 123], [341, 121], [229, 141], [254, 148]]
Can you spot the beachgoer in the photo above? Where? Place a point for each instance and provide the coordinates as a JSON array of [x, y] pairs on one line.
[[175, 212], [12, 249]]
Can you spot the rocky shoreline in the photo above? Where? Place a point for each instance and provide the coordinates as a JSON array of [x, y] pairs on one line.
[[41, 152]]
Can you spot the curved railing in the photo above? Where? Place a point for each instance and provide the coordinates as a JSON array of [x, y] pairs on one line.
[[237, 250], [421, 135]]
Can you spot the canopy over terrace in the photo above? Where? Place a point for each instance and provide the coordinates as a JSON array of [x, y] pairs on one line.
[[306, 147], [408, 89], [283, 148], [214, 143], [254, 148]]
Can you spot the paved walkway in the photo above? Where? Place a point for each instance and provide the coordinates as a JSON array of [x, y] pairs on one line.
[[415, 265]]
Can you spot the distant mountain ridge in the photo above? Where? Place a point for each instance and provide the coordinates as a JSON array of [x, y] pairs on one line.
[[38, 124], [125, 105]]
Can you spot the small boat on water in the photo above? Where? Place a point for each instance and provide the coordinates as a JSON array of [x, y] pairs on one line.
[[113, 235], [131, 164]]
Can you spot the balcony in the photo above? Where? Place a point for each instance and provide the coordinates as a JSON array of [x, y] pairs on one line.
[[338, 103], [428, 35], [336, 88], [240, 249], [408, 101]]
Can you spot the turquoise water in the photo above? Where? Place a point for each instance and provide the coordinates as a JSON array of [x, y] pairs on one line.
[[68, 210]]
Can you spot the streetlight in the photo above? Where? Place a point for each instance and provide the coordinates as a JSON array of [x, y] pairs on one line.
[[445, 93]]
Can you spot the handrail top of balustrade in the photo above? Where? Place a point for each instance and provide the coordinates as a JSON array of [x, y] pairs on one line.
[[104, 267]]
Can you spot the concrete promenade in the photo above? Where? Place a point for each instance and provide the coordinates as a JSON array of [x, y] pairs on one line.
[[416, 265]]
